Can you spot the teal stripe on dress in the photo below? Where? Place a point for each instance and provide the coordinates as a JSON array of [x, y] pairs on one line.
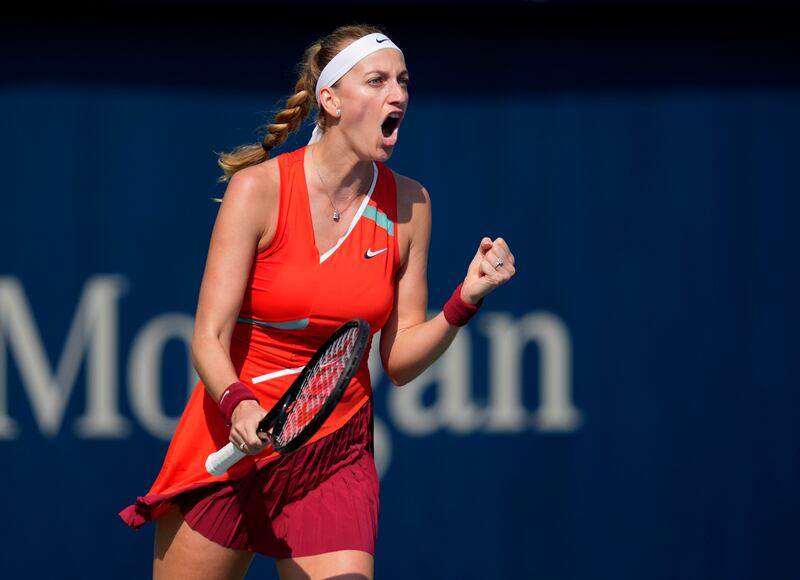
[[379, 218], [290, 325]]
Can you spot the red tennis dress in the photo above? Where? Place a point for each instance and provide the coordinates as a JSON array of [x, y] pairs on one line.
[[323, 497]]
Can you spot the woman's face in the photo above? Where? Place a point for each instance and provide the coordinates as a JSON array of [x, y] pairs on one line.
[[369, 93]]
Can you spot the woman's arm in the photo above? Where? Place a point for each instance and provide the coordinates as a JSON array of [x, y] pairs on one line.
[[409, 342], [247, 219], [246, 216]]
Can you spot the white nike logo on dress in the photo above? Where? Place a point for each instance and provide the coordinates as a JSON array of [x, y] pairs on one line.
[[370, 254]]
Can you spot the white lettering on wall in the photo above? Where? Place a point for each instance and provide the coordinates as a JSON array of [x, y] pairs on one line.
[[92, 335], [507, 341], [441, 398], [454, 408], [144, 371]]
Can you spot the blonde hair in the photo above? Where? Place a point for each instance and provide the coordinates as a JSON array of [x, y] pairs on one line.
[[298, 105]]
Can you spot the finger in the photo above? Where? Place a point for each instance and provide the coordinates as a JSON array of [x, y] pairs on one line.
[[487, 267], [245, 433], [256, 449], [240, 445], [495, 259], [506, 271], [499, 272], [236, 436], [497, 254], [250, 447], [483, 247], [500, 247], [501, 243], [253, 438]]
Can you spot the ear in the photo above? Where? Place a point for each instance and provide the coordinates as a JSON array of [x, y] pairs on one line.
[[328, 101]]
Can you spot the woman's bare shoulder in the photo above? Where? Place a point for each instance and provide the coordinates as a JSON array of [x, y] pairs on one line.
[[412, 198], [255, 191], [413, 215], [410, 191], [259, 181]]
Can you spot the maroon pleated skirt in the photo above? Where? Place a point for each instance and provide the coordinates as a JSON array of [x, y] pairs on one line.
[[321, 498]]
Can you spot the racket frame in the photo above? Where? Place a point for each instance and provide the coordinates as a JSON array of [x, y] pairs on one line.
[[220, 461], [278, 415]]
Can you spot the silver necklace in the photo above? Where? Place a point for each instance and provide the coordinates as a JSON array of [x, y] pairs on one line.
[[336, 213]]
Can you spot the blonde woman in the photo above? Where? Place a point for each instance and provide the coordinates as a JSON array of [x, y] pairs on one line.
[[303, 242]]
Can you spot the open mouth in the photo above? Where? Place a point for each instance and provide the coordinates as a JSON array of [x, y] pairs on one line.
[[390, 124]]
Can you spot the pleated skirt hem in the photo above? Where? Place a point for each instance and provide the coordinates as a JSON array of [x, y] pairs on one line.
[[322, 498]]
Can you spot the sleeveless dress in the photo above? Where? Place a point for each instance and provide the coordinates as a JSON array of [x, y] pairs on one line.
[[324, 496]]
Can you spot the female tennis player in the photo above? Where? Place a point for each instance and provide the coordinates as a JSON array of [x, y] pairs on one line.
[[302, 243]]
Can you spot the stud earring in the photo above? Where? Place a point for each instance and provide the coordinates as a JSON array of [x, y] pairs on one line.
[[338, 112]]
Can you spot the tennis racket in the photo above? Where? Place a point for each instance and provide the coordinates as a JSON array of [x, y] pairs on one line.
[[310, 399]]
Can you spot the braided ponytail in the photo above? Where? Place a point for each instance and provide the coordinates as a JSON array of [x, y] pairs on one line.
[[286, 121], [298, 105]]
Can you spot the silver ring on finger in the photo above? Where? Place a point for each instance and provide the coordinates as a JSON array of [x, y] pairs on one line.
[[498, 263], [242, 446]]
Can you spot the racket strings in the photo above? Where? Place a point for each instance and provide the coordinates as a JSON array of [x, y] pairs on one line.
[[318, 386]]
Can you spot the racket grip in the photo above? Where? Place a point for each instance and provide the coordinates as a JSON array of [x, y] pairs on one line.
[[221, 461]]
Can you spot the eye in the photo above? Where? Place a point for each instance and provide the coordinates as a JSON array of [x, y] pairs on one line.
[[403, 81]]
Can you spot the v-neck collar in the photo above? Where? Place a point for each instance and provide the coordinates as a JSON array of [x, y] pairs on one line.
[[354, 221]]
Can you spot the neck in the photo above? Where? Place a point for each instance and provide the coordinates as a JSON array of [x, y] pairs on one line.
[[344, 175]]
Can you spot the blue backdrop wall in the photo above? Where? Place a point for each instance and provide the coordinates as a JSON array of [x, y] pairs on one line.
[[626, 407]]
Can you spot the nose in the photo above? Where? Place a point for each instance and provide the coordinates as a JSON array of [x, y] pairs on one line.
[[398, 92]]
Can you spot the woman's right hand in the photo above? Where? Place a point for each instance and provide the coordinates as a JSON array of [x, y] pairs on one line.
[[244, 423]]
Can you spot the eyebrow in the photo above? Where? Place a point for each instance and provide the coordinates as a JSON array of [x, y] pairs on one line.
[[383, 72]]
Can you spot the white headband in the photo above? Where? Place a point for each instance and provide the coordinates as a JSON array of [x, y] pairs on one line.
[[347, 59]]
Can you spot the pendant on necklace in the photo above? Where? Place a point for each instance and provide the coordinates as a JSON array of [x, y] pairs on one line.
[[335, 215]]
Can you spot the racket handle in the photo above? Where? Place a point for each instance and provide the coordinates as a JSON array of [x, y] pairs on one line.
[[221, 461]]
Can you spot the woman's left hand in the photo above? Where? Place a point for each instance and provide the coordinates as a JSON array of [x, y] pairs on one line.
[[492, 266]]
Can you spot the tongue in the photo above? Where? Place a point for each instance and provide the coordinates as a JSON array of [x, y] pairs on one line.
[[391, 139]]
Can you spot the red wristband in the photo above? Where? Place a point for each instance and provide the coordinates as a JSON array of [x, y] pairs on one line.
[[456, 311], [232, 396]]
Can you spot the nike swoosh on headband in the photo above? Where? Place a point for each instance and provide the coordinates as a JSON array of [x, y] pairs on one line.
[[381, 39], [370, 254]]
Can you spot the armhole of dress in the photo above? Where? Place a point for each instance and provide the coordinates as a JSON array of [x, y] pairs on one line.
[[280, 225]]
